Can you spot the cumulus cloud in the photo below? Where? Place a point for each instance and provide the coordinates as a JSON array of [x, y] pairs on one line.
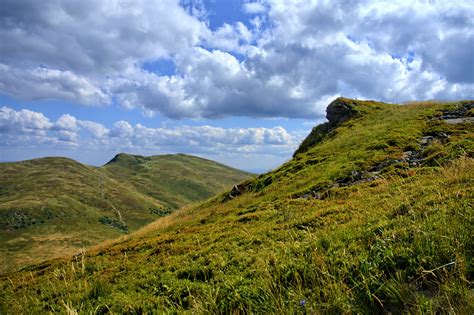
[[23, 122], [94, 37], [18, 128], [283, 63], [43, 83], [315, 51], [97, 130], [206, 136], [235, 38], [66, 122], [29, 129]]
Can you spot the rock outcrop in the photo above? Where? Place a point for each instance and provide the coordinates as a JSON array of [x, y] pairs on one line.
[[463, 114], [339, 111]]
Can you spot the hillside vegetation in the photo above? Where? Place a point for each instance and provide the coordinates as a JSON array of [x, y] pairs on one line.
[[373, 214], [55, 206], [174, 180]]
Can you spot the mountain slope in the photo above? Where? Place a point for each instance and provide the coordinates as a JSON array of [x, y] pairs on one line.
[[54, 206], [373, 214], [188, 179]]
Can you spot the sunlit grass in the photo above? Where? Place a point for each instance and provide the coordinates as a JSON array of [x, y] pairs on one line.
[[400, 243], [53, 207]]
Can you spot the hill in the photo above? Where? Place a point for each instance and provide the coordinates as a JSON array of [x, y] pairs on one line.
[[55, 206], [175, 180], [373, 214]]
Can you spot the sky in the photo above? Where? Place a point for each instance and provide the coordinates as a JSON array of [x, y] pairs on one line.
[[241, 82]]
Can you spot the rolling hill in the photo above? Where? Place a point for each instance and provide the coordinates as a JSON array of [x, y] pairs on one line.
[[373, 214], [55, 206], [174, 180]]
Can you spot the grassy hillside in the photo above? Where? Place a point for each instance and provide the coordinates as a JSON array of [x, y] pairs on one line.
[[373, 214], [188, 179], [55, 206]]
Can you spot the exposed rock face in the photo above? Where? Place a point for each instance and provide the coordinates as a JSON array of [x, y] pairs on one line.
[[340, 110]]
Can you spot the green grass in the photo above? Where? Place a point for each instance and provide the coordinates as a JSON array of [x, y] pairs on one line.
[[175, 180], [55, 206], [401, 242]]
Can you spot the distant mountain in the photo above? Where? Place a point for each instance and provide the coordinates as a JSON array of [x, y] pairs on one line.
[[54, 206], [372, 215]]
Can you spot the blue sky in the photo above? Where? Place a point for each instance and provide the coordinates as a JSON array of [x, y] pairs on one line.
[[240, 82]]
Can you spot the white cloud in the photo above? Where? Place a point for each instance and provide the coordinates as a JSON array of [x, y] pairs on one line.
[[94, 37], [67, 136], [28, 129], [122, 129], [96, 129], [231, 38], [295, 55], [200, 136], [66, 122], [43, 83], [316, 51], [25, 127], [254, 7], [23, 122]]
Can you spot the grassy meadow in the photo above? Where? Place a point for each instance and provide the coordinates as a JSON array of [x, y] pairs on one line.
[[374, 217], [52, 207]]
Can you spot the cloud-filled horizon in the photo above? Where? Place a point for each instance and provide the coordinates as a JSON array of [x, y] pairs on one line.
[[236, 80], [26, 128]]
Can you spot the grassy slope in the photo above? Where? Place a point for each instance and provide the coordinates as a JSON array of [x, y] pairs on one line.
[[188, 179], [55, 206], [400, 242]]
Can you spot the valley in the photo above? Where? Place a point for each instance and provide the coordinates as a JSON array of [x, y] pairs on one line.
[[55, 206]]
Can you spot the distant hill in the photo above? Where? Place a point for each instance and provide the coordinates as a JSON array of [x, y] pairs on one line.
[[372, 215], [53, 206], [174, 180]]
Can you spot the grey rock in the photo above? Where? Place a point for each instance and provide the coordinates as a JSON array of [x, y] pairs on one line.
[[454, 121], [337, 112]]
